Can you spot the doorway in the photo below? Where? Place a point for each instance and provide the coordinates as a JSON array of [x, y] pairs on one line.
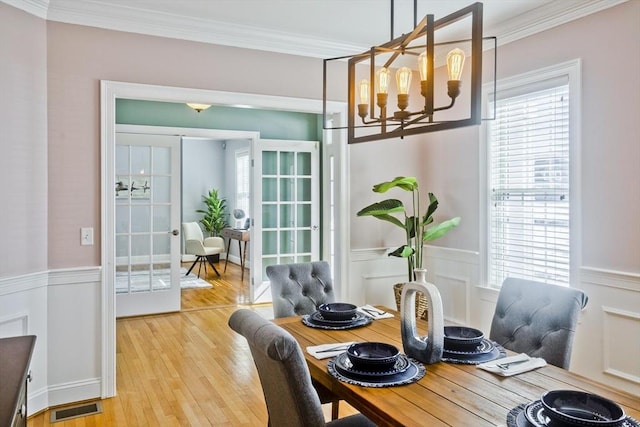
[[336, 150]]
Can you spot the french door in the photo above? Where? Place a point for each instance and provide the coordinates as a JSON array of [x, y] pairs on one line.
[[147, 218], [286, 206]]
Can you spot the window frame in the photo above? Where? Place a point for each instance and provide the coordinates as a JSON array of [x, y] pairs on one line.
[[572, 71], [244, 152]]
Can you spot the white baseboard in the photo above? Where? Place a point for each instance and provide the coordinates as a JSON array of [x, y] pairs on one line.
[[74, 391]]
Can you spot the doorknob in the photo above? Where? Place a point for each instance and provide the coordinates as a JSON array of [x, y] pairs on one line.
[[174, 232], [314, 228]]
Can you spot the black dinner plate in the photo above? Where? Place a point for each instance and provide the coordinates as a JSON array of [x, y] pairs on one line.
[[315, 320], [345, 367], [532, 415]]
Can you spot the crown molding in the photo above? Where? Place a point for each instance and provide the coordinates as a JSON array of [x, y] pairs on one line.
[[136, 20], [548, 17], [95, 13], [38, 8]]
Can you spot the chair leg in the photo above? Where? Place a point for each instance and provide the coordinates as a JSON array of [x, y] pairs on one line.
[[335, 407], [192, 265], [213, 266], [200, 266]]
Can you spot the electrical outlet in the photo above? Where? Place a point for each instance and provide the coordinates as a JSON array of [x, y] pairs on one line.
[[86, 236]]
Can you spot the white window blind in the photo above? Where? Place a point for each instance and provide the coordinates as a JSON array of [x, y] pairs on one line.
[[529, 184]]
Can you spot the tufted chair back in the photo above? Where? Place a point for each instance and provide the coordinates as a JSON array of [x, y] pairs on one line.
[[538, 319], [284, 375], [298, 289]]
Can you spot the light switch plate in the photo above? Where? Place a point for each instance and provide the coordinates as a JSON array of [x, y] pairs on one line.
[[86, 236]]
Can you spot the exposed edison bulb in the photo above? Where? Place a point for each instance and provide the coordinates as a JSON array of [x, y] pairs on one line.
[[364, 91], [423, 63], [403, 80], [455, 64], [383, 80]]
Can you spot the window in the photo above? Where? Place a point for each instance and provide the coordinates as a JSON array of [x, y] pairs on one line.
[[243, 176], [529, 181]]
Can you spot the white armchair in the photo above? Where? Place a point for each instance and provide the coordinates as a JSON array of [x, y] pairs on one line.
[[196, 244]]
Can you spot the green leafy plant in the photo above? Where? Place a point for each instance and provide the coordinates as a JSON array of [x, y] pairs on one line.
[[215, 215], [418, 229]]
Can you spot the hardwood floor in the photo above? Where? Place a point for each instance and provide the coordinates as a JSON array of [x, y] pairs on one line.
[[227, 288], [185, 369]]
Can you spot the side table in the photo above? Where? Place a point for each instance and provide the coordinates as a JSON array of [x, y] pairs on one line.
[[241, 236], [15, 357]]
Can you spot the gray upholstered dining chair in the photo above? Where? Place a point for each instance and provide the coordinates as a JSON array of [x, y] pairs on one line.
[[284, 374], [298, 289], [538, 319]]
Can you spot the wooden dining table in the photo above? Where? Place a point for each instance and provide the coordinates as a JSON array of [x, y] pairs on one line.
[[449, 394]]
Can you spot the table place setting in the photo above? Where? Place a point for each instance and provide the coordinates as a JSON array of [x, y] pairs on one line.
[[513, 365], [469, 346], [558, 408], [375, 364], [336, 316]]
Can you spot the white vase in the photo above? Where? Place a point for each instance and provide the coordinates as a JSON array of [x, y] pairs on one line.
[[425, 349]]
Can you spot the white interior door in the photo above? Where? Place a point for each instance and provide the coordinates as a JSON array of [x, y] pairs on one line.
[[286, 208], [147, 218]]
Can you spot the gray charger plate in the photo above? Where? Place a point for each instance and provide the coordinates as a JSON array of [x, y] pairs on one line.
[[475, 357]]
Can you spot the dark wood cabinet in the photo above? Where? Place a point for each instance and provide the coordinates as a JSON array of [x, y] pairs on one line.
[[15, 356]]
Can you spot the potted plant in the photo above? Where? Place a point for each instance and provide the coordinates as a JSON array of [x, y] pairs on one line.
[[418, 228], [214, 217]]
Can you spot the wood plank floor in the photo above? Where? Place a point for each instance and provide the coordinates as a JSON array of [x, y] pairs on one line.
[[186, 368]]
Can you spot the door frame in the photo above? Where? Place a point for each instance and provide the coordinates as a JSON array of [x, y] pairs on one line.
[[112, 90]]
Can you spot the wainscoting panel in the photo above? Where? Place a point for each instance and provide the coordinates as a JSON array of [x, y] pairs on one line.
[[62, 309], [23, 311], [74, 334], [373, 274], [14, 325], [615, 330], [455, 298], [607, 342]]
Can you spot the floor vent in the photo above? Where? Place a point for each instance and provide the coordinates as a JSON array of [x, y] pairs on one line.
[[77, 411]]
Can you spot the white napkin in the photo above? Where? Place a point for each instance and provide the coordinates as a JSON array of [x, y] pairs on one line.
[[525, 364], [323, 351], [373, 312]]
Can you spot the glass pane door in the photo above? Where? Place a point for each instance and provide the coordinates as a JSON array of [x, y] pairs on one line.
[[287, 194], [146, 223]]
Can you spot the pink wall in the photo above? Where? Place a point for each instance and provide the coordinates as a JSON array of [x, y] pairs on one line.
[[79, 57], [610, 141], [23, 158]]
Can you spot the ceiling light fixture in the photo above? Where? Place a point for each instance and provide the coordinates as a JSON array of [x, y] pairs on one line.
[[198, 107], [370, 77]]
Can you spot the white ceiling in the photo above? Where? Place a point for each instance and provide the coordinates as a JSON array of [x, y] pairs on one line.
[[317, 28]]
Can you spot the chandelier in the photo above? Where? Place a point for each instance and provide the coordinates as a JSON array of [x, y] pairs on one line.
[[371, 115]]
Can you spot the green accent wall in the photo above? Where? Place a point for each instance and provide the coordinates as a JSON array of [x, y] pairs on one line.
[[271, 124]]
